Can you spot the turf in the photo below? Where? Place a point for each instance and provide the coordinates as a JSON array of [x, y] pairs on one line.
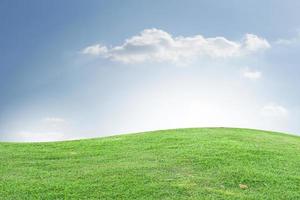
[[208, 163]]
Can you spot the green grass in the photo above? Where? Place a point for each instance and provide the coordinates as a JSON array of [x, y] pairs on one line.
[[207, 163]]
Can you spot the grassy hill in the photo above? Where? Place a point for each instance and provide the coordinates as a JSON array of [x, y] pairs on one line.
[[208, 163]]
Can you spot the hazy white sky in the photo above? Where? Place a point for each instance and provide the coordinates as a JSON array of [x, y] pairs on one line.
[[87, 69]]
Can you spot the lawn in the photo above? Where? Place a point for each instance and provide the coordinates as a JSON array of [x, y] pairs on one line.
[[204, 163]]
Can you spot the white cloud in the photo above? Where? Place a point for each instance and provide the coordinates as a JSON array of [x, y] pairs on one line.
[[95, 50], [46, 129], [289, 41], [254, 43], [54, 120], [286, 41], [34, 136], [274, 110], [160, 46], [251, 74]]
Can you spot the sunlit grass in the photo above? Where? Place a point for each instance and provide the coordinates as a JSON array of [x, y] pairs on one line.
[[172, 164]]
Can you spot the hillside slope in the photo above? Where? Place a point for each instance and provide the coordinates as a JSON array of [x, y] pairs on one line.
[[208, 163]]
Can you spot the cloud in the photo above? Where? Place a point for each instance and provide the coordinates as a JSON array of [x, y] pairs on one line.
[[46, 129], [34, 136], [251, 74], [254, 43], [54, 120], [159, 46], [274, 110], [95, 50], [289, 41]]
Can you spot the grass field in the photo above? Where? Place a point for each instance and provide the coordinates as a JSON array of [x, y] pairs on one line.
[[208, 163]]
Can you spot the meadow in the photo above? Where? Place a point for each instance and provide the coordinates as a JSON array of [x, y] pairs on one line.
[[196, 163]]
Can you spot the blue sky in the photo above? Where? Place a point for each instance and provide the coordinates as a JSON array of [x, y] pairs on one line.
[[78, 69]]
